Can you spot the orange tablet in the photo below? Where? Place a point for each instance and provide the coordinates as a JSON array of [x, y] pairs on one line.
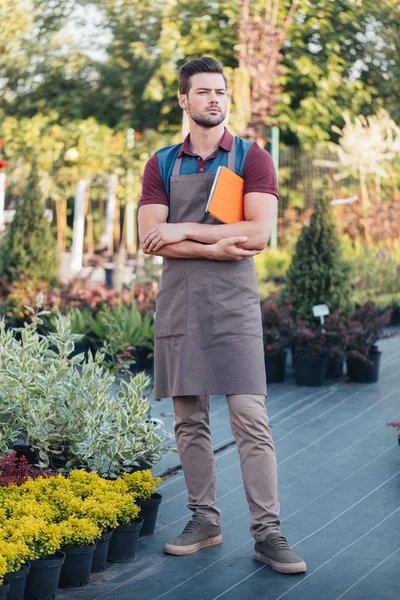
[[226, 200]]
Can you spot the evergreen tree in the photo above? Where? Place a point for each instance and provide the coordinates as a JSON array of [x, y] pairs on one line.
[[318, 273], [28, 246]]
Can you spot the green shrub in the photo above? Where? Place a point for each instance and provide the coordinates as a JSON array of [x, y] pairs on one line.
[[28, 246], [318, 274]]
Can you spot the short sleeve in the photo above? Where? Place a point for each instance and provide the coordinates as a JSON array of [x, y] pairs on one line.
[[153, 189], [259, 172]]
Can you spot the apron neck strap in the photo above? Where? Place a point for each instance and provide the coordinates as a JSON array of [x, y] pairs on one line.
[[232, 156], [177, 166], [231, 160]]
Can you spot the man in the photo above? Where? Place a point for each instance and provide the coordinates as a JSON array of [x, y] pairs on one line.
[[208, 333]]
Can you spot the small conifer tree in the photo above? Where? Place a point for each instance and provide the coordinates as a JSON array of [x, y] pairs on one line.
[[318, 273], [28, 246]]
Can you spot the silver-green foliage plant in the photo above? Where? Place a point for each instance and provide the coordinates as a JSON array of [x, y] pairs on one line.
[[72, 413]]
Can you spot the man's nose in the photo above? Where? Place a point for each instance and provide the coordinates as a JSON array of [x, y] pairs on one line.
[[213, 98]]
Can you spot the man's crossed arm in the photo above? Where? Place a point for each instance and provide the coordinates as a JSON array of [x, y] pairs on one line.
[[215, 242]]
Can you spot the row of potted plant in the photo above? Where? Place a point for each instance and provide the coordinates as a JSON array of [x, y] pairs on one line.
[[77, 293], [320, 351], [68, 527], [65, 413]]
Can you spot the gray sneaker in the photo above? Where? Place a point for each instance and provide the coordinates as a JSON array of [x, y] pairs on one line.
[[275, 552], [195, 536]]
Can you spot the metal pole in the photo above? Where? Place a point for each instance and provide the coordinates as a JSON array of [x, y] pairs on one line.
[[130, 207], [78, 228], [110, 213], [275, 157]]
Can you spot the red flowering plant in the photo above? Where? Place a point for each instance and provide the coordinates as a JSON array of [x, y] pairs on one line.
[[308, 339], [365, 328], [336, 335], [276, 325], [17, 470], [77, 293]]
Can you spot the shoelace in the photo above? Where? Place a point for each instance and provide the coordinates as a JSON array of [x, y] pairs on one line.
[[280, 542], [191, 526]]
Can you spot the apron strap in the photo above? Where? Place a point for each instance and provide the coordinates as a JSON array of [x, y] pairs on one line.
[[177, 166], [231, 160], [232, 156]]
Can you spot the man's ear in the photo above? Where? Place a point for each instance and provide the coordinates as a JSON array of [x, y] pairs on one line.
[[183, 101]]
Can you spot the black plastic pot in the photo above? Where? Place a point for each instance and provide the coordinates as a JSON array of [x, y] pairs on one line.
[[334, 368], [310, 370], [361, 372], [75, 571], [143, 362], [148, 512], [18, 582], [275, 367], [43, 577], [124, 541], [4, 589], [100, 554]]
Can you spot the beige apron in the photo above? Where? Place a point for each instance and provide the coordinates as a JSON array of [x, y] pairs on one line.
[[208, 332]]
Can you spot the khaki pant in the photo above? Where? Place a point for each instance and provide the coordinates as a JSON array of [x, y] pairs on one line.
[[249, 423]]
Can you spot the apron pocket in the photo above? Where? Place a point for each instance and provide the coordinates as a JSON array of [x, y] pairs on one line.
[[171, 304], [236, 309]]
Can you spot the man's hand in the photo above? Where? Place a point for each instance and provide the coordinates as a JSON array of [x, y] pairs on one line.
[[163, 234], [227, 249]]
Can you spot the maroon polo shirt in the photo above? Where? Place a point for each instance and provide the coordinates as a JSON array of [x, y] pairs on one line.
[[258, 172]]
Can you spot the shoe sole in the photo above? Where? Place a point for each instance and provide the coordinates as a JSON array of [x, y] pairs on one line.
[[299, 567], [183, 550]]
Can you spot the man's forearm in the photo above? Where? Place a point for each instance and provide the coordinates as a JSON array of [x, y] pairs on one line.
[[185, 249], [211, 234]]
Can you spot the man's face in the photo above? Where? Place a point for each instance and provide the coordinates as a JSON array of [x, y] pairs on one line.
[[207, 100]]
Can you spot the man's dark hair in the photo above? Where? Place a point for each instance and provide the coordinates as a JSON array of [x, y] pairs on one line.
[[205, 64]]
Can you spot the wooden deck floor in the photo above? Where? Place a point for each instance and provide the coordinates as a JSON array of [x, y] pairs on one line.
[[339, 480]]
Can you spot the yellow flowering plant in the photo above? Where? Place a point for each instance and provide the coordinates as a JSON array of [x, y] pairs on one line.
[[3, 569], [78, 532], [16, 553], [42, 539], [141, 483], [32, 507], [84, 484], [102, 510], [125, 505]]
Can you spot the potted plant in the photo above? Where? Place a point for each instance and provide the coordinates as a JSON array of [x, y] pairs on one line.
[[84, 422], [16, 469], [126, 535], [43, 541], [310, 354], [15, 553], [120, 328], [336, 343], [276, 324], [79, 537], [365, 328], [100, 507], [144, 485]]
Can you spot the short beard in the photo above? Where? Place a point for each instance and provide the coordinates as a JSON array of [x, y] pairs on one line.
[[204, 121]]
